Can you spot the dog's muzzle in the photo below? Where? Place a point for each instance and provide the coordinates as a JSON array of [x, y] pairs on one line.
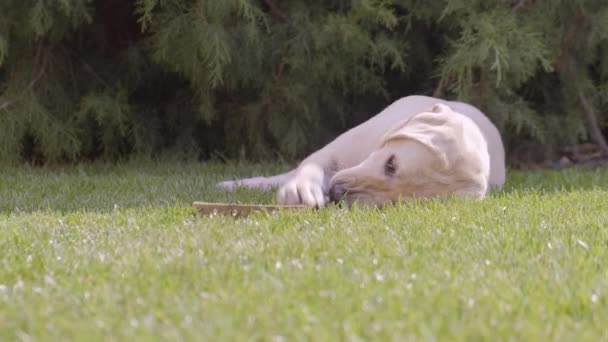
[[337, 192]]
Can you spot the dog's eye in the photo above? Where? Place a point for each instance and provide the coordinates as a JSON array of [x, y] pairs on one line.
[[389, 166]]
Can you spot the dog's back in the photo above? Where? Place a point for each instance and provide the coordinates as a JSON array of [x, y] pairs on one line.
[[493, 139], [367, 134]]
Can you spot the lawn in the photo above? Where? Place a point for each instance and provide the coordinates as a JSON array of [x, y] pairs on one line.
[[102, 253]]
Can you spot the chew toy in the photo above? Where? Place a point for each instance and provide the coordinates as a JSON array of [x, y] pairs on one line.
[[238, 210]]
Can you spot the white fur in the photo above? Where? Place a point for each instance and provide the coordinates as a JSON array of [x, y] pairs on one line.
[[463, 132]]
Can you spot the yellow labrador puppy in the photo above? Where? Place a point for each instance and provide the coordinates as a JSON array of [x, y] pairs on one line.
[[418, 147]]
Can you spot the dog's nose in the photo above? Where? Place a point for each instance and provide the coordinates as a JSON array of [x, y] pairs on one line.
[[336, 192]]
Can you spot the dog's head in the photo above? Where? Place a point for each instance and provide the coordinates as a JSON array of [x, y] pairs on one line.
[[433, 153]]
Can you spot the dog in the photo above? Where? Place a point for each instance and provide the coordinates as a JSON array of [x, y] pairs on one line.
[[419, 147]]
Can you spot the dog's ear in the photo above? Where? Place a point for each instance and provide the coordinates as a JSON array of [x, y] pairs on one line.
[[435, 129]]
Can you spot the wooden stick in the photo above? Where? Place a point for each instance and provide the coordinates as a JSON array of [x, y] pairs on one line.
[[238, 210]]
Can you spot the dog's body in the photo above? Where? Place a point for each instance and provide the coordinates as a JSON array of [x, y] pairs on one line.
[[418, 147]]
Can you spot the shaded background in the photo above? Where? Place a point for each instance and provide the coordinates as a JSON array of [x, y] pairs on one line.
[[266, 79]]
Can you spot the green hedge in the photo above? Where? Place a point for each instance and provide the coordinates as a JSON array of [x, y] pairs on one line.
[[263, 79]]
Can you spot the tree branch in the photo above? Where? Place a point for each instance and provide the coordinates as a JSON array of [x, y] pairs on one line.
[[438, 92], [519, 5], [89, 68], [41, 69], [596, 131], [569, 39], [275, 10], [560, 66]]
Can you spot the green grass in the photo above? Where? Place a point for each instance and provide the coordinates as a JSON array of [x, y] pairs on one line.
[[116, 253]]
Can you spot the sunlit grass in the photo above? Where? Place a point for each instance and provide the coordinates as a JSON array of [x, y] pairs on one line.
[[116, 253]]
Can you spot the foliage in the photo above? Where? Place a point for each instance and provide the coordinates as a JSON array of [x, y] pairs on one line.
[[87, 79]]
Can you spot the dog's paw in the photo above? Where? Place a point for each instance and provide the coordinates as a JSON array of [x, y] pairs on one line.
[[302, 192], [306, 187]]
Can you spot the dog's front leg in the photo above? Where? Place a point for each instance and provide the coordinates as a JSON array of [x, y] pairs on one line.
[[308, 186]]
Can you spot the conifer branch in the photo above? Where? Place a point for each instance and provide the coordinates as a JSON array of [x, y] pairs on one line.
[[37, 75], [275, 10]]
